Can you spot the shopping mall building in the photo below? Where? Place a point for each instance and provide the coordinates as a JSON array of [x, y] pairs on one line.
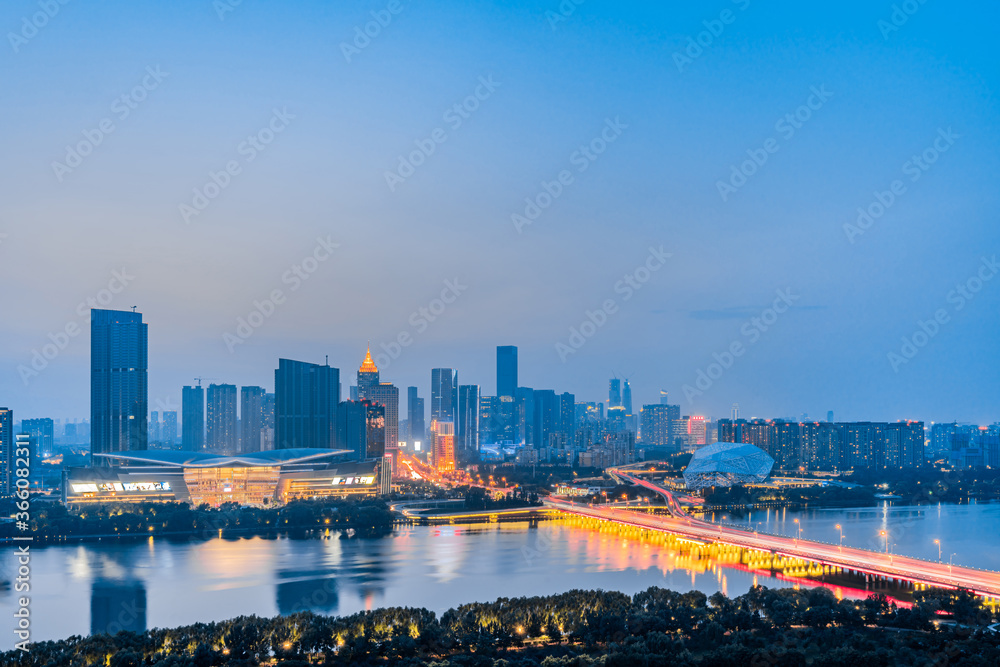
[[258, 478]]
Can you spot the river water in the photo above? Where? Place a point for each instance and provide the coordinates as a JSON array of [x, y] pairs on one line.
[[101, 586]]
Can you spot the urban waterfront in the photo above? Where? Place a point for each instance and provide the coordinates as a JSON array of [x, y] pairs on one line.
[[82, 587]]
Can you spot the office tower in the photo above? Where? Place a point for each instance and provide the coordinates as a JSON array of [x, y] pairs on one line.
[[154, 427], [220, 418], [251, 419], [414, 415], [467, 437], [354, 393], [616, 419], [443, 445], [69, 433], [367, 376], [829, 415], [567, 418], [386, 394], [444, 394], [43, 433], [305, 405], [169, 432], [524, 416], [489, 419], [352, 428], [663, 398], [627, 396], [614, 393], [375, 440], [267, 423], [656, 420], [546, 418], [118, 382], [6, 451], [506, 370], [193, 418]]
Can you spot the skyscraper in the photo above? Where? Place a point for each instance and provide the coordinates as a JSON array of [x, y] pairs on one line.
[[506, 370], [118, 382], [656, 422], [352, 428], [305, 404], [386, 394], [467, 437], [6, 450], [614, 393], [443, 445], [415, 416], [444, 394], [193, 418], [43, 433], [251, 418], [546, 417], [567, 418], [169, 433], [367, 376], [627, 396], [221, 418], [267, 432], [524, 416], [154, 427]]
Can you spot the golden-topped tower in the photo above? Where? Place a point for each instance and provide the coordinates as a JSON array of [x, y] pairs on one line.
[[367, 375]]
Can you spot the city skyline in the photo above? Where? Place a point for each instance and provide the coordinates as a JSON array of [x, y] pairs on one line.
[[473, 249]]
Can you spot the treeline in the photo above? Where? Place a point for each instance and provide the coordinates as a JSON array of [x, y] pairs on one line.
[[53, 521], [786, 627], [476, 498], [933, 485], [826, 496]]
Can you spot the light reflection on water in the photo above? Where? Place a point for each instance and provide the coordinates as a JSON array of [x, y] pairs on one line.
[[160, 583]]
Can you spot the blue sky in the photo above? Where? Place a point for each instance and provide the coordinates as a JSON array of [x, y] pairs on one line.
[[555, 86]]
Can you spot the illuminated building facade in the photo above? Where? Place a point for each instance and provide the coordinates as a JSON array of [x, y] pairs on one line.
[[386, 394], [258, 478], [221, 419], [443, 443], [444, 394]]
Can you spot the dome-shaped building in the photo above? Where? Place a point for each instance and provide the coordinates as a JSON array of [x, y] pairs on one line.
[[727, 463]]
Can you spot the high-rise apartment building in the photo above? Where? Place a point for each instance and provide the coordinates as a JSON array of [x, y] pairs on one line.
[[305, 404], [193, 418], [443, 443], [251, 419], [220, 418], [42, 432], [655, 426], [118, 382], [169, 432]]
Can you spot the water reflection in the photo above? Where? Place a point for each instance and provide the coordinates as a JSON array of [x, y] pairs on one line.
[[117, 606]]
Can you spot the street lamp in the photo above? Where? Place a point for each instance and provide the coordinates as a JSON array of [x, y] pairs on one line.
[[838, 527], [800, 530], [886, 536], [938, 543]]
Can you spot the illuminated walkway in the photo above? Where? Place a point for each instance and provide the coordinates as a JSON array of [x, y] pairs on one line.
[[877, 564]]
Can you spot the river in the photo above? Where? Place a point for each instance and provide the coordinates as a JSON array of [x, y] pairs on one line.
[[96, 586]]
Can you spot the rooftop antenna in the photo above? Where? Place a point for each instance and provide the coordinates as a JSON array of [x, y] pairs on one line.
[[133, 308], [736, 411]]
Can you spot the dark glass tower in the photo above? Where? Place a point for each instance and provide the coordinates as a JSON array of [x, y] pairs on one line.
[[193, 418], [367, 376], [305, 405], [118, 382], [467, 440], [506, 370], [415, 416], [251, 418], [444, 394]]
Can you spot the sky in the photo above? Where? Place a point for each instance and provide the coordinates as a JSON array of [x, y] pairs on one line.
[[789, 206]]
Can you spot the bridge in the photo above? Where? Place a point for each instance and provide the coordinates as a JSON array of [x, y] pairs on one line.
[[873, 563]]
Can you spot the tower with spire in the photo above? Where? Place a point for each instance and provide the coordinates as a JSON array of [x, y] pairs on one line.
[[367, 376]]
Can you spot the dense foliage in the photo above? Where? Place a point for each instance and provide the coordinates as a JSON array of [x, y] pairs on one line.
[[51, 521], [578, 628]]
